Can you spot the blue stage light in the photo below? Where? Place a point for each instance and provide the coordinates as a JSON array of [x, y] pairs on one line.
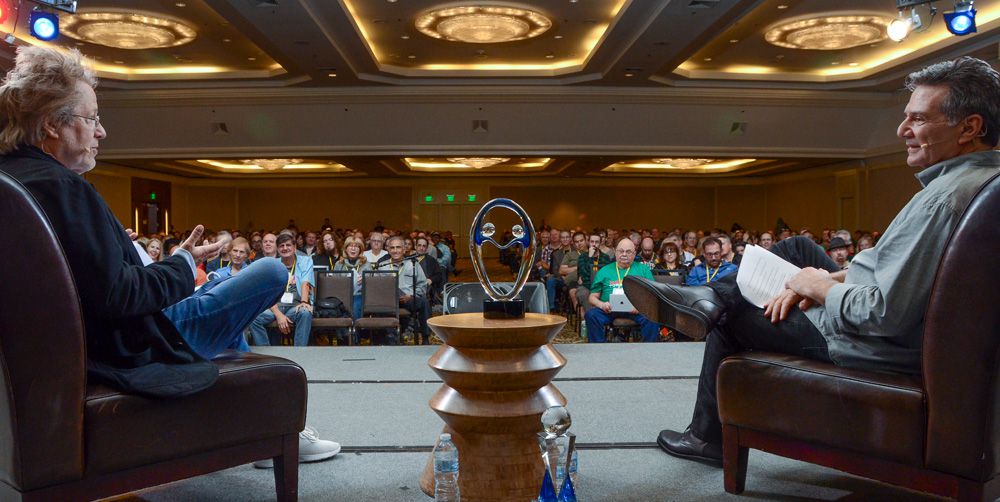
[[962, 20], [43, 25]]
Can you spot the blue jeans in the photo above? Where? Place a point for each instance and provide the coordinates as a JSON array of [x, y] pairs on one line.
[[596, 320], [213, 318], [301, 323], [553, 285], [357, 307]]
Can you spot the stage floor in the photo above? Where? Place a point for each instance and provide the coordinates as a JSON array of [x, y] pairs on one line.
[[373, 400]]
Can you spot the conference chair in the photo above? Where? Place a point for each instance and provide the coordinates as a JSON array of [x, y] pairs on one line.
[[67, 439], [340, 285], [379, 302], [938, 432]]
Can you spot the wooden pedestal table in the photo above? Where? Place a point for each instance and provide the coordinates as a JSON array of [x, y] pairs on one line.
[[497, 376]]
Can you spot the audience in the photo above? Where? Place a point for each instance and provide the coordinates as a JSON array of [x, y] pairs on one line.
[[838, 252], [269, 245], [328, 254], [647, 253], [569, 265], [437, 276], [375, 252], [412, 286], [154, 248], [239, 251], [588, 265], [670, 262]]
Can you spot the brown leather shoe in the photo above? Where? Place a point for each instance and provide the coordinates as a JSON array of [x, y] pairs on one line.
[[686, 445], [692, 310]]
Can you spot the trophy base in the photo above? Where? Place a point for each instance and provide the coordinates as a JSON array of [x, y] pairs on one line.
[[510, 309]]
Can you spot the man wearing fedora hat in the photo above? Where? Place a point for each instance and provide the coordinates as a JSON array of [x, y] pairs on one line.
[[838, 252]]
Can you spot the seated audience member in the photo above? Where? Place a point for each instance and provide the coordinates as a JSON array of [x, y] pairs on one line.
[[728, 252], [713, 268], [154, 248], [587, 266], [375, 252], [352, 259], [412, 286], [543, 252], [845, 235], [606, 245], [838, 253], [256, 250], [554, 282], [217, 262], [269, 245], [309, 247], [675, 238], [442, 252], [636, 239], [670, 261], [866, 241], [407, 246], [609, 279], [870, 316], [147, 331], [239, 251], [437, 277], [569, 265], [766, 240], [690, 245], [328, 253], [293, 312], [647, 253]]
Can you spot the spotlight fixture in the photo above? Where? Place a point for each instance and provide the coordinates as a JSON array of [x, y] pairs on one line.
[[904, 24], [4, 11], [43, 25], [962, 20]]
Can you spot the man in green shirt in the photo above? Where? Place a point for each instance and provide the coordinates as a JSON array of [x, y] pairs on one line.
[[609, 279]]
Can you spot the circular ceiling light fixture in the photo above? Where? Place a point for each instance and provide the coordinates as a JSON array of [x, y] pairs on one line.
[[127, 30], [829, 32], [478, 162], [685, 163], [271, 164], [482, 24]]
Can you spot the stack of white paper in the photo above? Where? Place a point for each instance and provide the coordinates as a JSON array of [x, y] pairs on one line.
[[762, 275]]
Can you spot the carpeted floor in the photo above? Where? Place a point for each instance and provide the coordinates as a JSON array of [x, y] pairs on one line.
[[374, 401]]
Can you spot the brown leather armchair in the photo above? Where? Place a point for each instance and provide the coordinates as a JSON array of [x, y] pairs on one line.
[[64, 439], [938, 433]]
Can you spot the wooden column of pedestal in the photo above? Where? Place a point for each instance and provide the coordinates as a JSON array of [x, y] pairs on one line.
[[497, 376]]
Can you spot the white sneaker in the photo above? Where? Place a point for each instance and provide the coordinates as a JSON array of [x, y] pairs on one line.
[[311, 449]]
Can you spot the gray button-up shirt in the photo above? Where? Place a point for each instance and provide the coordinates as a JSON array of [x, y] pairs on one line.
[[875, 319]]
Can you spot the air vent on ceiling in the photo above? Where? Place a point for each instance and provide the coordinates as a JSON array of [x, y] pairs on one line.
[[219, 128], [703, 4], [480, 126], [738, 128]]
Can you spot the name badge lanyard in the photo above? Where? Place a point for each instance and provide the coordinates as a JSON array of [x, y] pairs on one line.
[[619, 272], [291, 275], [711, 276]]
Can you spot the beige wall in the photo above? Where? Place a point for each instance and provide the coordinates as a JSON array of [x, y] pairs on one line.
[[347, 207]]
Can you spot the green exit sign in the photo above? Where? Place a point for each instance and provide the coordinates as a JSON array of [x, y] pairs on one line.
[[472, 197], [152, 196], [428, 198], [450, 197]]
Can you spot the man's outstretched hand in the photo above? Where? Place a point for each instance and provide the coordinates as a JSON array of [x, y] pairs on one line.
[[778, 308], [200, 253]]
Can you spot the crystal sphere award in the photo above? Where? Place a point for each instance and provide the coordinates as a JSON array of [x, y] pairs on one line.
[[502, 305]]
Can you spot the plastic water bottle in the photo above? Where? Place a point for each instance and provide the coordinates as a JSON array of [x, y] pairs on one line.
[[583, 331], [446, 470]]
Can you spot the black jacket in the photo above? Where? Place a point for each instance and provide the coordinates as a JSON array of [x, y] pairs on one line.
[[130, 343]]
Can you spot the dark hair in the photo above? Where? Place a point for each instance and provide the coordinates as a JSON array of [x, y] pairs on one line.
[[711, 240], [973, 89], [283, 237], [168, 244]]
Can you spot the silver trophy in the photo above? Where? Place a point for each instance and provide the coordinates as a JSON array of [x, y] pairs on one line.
[[502, 305]]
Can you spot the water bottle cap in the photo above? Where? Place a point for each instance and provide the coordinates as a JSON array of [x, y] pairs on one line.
[[445, 437]]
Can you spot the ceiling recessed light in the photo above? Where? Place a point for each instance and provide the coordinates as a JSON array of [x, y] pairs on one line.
[[118, 61], [405, 37], [782, 6], [331, 75], [630, 74], [558, 37], [835, 63], [251, 59], [226, 40], [550, 56], [733, 41], [411, 56], [852, 64], [708, 59], [181, 4]]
